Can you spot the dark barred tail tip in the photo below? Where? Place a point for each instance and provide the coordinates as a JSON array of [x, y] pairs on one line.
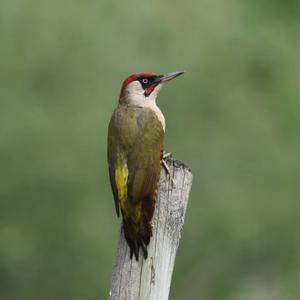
[[137, 237], [145, 252], [134, 249], [131, 254]]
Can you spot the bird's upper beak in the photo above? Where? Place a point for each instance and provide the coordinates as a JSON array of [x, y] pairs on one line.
[[168, 76]]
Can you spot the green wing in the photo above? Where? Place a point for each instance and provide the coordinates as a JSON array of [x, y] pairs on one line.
[[144, 160], [114, 186]]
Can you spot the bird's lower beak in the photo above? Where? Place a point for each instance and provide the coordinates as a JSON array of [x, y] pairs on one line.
[[168, 76]]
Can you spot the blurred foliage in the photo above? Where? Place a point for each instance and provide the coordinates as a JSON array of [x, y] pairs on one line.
[[234, 118]]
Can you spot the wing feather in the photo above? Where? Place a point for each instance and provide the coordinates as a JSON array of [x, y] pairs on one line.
[[144, 160]]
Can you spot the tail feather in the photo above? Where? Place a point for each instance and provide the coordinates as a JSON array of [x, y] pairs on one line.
[[139, 231], [137, 236]]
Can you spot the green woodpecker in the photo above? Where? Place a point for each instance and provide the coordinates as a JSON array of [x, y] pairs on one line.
[[135, 151]]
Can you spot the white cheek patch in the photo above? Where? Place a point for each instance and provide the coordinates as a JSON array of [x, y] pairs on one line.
[[134, 88], [134, 94]]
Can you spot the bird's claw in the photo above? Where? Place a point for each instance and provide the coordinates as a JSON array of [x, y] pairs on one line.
[[166, 155], [165, 165]]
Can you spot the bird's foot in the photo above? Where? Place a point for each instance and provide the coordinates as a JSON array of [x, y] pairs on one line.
[[165, 156]]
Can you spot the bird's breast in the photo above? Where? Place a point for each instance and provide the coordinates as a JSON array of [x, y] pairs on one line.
[[159, 115]]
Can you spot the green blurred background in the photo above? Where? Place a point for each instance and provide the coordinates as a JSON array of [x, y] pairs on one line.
[[234, 118]]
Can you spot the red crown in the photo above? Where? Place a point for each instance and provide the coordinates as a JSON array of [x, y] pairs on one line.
[[131, 78]]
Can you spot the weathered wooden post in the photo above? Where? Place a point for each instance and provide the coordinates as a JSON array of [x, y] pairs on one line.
[[150, 279]]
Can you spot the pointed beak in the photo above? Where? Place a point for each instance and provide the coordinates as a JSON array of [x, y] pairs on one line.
[[168, 76]]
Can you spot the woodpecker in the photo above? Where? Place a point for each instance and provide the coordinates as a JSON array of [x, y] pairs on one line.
[[135, 152]]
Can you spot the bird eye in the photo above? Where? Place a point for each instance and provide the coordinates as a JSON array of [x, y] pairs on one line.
[[145, 80]]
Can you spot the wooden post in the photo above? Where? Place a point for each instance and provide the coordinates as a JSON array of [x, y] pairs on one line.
[[150, 279]]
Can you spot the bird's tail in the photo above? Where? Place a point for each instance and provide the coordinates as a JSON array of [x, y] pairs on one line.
[[138, 232]]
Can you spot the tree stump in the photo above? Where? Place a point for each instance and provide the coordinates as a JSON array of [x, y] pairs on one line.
[[150, 279]]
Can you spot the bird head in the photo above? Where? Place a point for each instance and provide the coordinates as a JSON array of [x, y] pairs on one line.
[[142, 88]]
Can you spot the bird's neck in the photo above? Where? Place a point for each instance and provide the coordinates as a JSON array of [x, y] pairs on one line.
[[159, 115]]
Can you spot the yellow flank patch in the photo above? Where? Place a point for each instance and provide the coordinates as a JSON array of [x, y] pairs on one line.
[[121, 175], [129, 209]]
